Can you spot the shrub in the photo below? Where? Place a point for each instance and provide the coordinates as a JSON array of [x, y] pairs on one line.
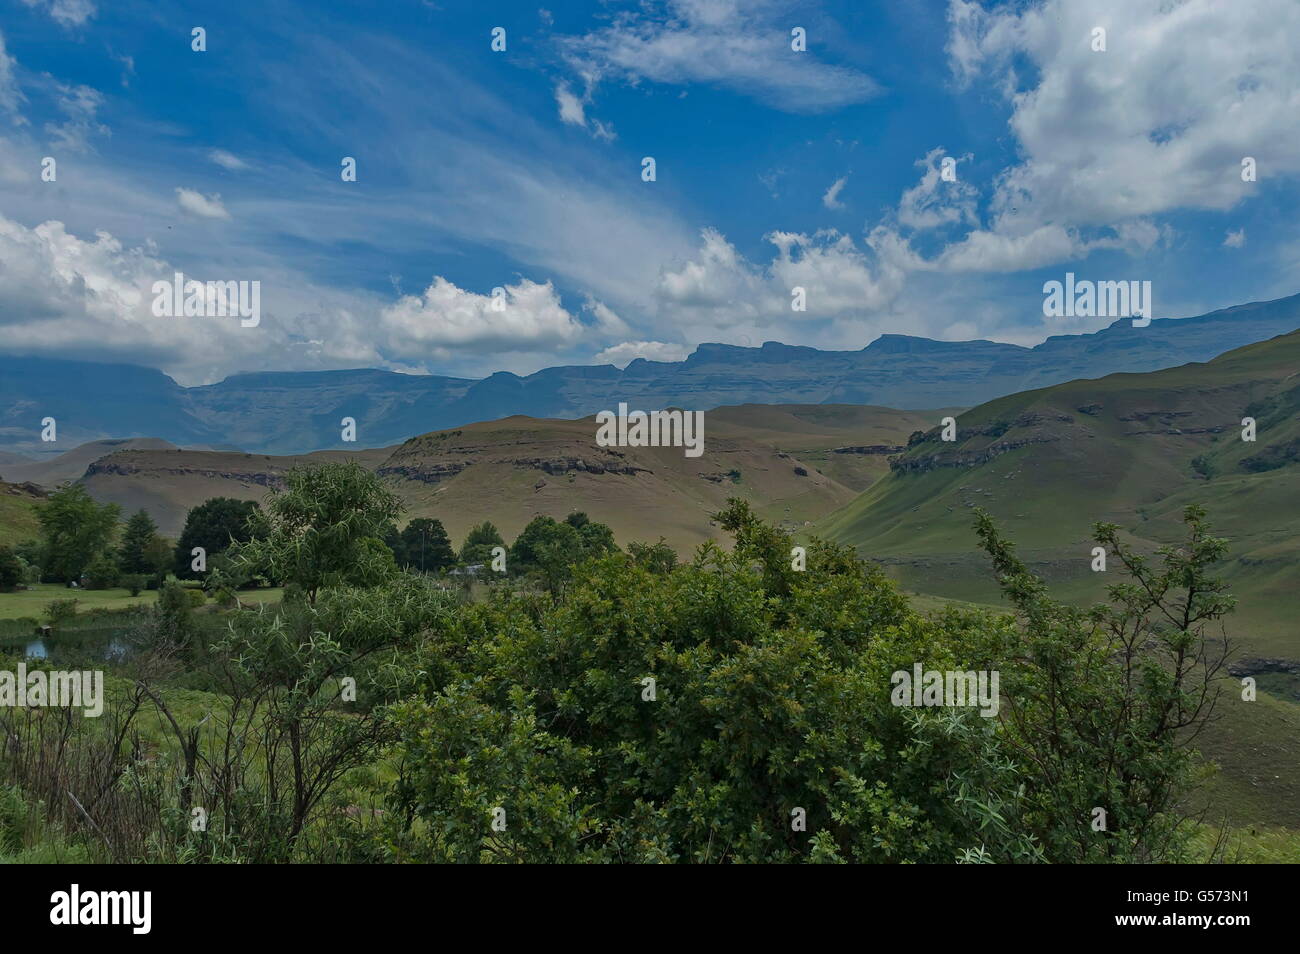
[[103, 573], [58, 612]]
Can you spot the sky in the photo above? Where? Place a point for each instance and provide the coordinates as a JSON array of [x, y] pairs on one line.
[[514, 178]]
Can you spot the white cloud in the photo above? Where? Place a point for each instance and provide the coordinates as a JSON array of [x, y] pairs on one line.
[[1235, 239], [227, 160], [719, 42], [80, 104], [571, 107], [446, 316], [719, 289], [204, 206], [11, 97], [68, 13], [608, 323], [573, 112], [831, 199], [1159, 121], [932, 202], [625, 353]]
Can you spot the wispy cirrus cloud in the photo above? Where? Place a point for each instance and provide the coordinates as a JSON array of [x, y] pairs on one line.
[[742, 47]]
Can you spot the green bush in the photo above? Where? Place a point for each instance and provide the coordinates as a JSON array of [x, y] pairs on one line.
[[58, 612], [103, 573]]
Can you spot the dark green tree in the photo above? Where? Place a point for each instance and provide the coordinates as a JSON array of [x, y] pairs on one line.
[[11, 569], [139, 533], [325, 528], [213, 525], [74, 530], [479, 543], [424, 546]]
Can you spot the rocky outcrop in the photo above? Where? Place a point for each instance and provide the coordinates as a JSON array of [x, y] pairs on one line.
[[563, 465], [108, 465], [426, 472], [872, 449], [956, 458], [1253, 667]]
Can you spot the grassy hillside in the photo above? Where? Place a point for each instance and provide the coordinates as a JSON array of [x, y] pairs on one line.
[[18, 505], [794, 463], [1049, 463], [167, 483], [50, 470], [1131, 449]]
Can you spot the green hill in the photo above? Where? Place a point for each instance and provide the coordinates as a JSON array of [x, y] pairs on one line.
[[1129, 449]]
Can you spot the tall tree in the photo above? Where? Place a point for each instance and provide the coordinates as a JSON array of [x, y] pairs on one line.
[[74, 530], [425, 546], [324, 529], [479, 543], [140, 532], [213, 525]]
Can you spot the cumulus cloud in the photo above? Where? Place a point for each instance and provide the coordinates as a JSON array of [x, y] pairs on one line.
[[65, 296], [932, 202], [746, 48], [719, 288], [204, 206], [68, 297], [1235, 239], [625, 353], [1158, 121], [520, 317]]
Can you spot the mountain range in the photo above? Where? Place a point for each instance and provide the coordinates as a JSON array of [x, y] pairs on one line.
[[300, 412]]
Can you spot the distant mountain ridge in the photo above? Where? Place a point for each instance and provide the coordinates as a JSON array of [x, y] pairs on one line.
[[294, 412]]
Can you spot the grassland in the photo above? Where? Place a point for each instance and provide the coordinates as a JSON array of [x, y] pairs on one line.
[[31, 603]]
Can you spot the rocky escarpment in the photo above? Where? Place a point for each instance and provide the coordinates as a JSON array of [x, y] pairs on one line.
[[957, 457], [429, 472], [563, 465], [1253, 667], [127, 468], [872, 449]]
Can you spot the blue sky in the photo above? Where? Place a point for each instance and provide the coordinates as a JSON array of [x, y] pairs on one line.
[[521, 170]]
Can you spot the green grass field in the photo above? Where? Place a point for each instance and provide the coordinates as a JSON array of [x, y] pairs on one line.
[[31, 603]]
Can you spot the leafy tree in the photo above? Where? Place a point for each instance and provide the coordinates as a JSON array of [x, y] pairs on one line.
[[424, 545], [140, 532], [157, 560], [479, 543], [103, 572], [324, 528], [213, 525], [74, 529], [552, 548], [655, 557], [11, 569], [1106, 702], [693, 712], [763, 703]]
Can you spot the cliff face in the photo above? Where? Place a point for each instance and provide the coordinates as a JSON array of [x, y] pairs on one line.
[[978, 444]]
